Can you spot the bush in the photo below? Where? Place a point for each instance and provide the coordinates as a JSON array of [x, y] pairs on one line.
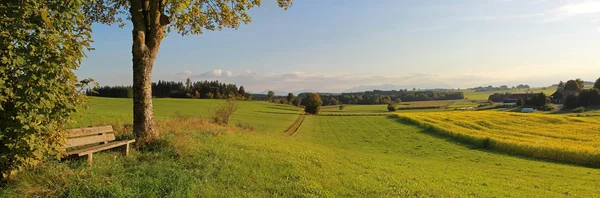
[[39, 49], [571, 101], [313, 103], [297, 102], [246, 126], [391, 107], [342, 107], [223, 113], [579, 110]]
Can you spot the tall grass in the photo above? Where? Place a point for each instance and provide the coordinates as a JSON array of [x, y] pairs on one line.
[[548, 137]]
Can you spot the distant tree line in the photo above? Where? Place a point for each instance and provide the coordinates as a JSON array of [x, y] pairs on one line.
[[386, 97], [501, 88], [172, 89], [586, 97]]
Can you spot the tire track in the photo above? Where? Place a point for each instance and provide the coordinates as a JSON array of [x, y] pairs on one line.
[[296, 125]]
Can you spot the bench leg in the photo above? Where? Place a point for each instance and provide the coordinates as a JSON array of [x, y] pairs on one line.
[[90, 160], [127, 149]]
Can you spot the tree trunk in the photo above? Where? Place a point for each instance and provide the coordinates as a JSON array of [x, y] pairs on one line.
[[149, 24], [143, 116]]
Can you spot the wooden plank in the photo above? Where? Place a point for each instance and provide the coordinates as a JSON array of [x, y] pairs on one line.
[[87, 151], [90, 139], [89, 131]]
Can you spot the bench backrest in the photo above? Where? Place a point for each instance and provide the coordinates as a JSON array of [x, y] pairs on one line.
[[91, 135]]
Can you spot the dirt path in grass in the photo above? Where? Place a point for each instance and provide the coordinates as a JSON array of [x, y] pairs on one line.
[[296, 125]]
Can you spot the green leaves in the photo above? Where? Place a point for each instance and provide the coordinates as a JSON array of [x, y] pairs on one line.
[[41, 42]]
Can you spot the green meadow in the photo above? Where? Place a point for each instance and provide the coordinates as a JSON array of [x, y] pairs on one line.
[[483, 95], [329, 156]]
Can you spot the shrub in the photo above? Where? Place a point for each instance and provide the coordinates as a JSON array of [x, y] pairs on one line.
[[223, 113], [313, 103], [391, 107], [579, 110], [38, 52], [571, 101], [297, 101], [342, 107], [246, 126]]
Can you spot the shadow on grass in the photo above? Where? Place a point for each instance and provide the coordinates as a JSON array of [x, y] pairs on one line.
[[462, 143]]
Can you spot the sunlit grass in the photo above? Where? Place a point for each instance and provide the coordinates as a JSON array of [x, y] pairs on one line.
[[562, 138]]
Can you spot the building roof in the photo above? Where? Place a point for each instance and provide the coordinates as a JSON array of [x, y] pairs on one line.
[[565, 93]]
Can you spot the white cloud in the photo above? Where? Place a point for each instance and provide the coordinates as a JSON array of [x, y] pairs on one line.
[[574, 9]]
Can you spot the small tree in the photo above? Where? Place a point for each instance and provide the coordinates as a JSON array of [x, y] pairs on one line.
[[391, 107], [597, 84], [297, 101], [270, 95], [342, 107], [223, 113], [242, 91], [197, 94], [290, 97], [313, 103], [283, 101]]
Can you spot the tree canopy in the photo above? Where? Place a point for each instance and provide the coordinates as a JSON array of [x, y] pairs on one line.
[[152, 20], [41, 43]]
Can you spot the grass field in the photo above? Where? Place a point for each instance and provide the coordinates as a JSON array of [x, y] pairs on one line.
[[562, 138], [266, 117], [329, 156], [382, 108], [472, 95]]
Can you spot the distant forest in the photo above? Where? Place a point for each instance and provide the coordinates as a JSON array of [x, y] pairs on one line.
[[387, 97], [218, 90], [172, 89]]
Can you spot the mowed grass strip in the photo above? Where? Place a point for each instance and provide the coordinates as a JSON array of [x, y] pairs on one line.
[[551, 137]]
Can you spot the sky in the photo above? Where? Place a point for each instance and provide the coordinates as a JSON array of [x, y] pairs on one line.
[[356, 45]]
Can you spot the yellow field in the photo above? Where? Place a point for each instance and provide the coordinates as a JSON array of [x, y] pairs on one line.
[[560, 138]]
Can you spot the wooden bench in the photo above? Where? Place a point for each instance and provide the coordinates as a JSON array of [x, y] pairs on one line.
[[94, 135]]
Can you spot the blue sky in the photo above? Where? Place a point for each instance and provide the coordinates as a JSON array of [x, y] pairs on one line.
[[340, 45]]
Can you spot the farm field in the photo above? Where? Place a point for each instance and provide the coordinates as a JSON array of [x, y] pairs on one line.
[[472, 95], [329, 156], [404, 106], [561, 138]]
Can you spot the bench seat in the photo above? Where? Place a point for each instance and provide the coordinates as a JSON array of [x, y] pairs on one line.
[[103, 135], [101, 147]]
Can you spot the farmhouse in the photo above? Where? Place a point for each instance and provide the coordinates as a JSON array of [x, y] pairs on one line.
[[559, 97], [514, 98]]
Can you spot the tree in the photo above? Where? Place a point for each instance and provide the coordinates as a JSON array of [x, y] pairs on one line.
[[188, 84], [391, 107], [342, 107], [571, 101], [283, 101], [242, 91], [41, 43], [573, 85], [313, 103], [597, 84], [270, 95], [580, 83], [290, 97], [561, 86], [151, 20], [297, 101]]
